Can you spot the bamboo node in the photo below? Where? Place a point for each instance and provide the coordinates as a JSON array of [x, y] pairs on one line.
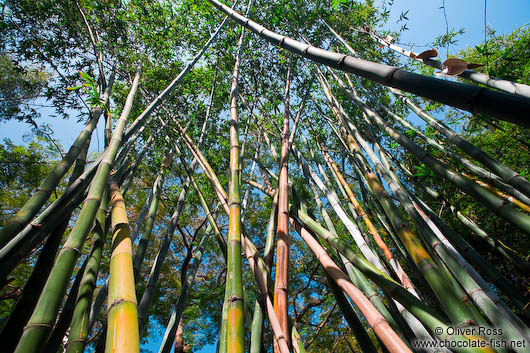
[[35, 225], [341, 60], [66, 247], [378, 322], [234, 298], [37, 325], [478, 289]]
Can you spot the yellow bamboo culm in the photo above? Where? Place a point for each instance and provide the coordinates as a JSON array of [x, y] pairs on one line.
[[501, 194], [122, 312]]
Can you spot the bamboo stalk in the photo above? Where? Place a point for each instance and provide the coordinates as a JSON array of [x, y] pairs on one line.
[[235, 331], [78, 335], [50, 182], [374, 318], [122, 310], [459, 95], [39, 325], [282, 236], [25, 304]]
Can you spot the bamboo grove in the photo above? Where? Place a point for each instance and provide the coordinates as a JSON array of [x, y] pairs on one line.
[[273, 176]]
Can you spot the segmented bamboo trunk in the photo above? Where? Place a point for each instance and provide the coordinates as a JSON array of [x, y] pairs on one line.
[[26, 302], [38, 328], [50, 182], [391, 340], [235, 330], [78, 335], [153, 208], [459, 95], [282, 236], [122, 310]]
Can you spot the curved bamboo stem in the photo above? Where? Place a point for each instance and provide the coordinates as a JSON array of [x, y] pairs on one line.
[[468, 97]]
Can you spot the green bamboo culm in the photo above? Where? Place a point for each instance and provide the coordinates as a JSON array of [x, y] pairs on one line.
[[41, 322], [26, 303], [45, 189], [180, 305], [430, 318], [235, 330], [476, 99], [150, 221], [122, 312], [78, 336]]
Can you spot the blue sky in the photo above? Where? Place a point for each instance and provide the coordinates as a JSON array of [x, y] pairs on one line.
[[426, 22]]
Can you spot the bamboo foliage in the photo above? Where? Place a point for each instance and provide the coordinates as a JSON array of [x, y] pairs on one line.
[[37, 200], [383, 258], [450, 93]]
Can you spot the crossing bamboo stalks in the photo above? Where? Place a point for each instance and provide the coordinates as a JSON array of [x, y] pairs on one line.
[[26, 302], [494, 243], [256, 262], [420, 256], [160, 98], [122, 311], [333, 199], [420, 310], [125, 157], [149, 223], [507, 288], [50, 182], [147, 296], [39, 325], [360, 281], [470, 165], [500, 194], [34, 233], [282, 235], [507, 174], [371, 228], [470, 254], [490, 304], [78, 334], [491, 241], [491, 201], [149, 292], [458, 311], [503, 85], [391, 340], [180, 304], [468, 97], [364, 341]]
